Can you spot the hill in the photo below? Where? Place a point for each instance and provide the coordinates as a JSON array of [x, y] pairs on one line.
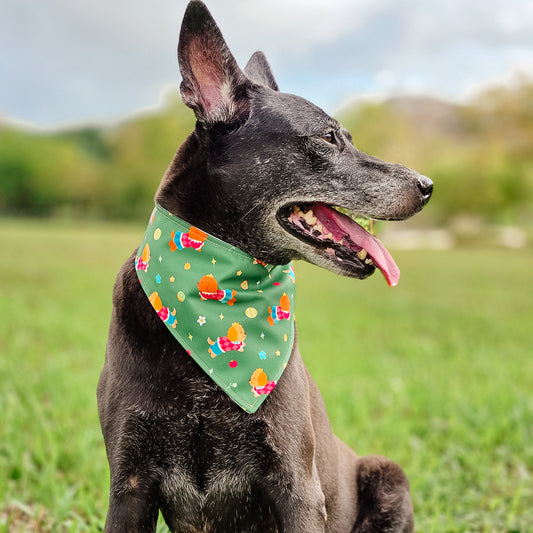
[[478, 154]]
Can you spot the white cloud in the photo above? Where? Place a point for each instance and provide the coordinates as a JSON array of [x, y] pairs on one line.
[[64, 60]]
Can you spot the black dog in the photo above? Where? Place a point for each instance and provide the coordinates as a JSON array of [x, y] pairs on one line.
[[261, 171]]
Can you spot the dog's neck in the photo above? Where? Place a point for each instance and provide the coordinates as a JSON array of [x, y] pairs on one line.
[[187, 183], [227, 202], [232, 313]]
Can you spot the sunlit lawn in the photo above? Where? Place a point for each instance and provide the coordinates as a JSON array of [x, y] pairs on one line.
[[436, 374]]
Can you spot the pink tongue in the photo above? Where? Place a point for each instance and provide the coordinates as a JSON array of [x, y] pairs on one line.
[[341, 226]]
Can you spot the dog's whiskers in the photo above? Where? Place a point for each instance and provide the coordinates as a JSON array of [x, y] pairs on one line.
[[249, 211]]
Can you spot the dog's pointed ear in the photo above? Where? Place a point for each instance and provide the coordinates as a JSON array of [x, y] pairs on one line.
[[259, 71], [213, 84]]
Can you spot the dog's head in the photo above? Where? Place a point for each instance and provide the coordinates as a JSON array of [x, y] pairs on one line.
[[272, 173]]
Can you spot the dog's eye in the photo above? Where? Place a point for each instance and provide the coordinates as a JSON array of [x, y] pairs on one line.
[[329, 137]]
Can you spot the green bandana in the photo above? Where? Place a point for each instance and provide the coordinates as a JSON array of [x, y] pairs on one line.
[[232, 313]]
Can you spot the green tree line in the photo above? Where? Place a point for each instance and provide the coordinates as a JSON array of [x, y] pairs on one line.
[[479, 155]]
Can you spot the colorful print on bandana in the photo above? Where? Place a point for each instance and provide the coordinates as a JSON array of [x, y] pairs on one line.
[[208, 289], [164, 313], [194, 238], [260, 384], [281, 311], [234, 340], [232, 313], [141, 263]]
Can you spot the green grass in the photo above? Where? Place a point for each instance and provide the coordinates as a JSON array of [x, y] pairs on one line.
[[436, 374]]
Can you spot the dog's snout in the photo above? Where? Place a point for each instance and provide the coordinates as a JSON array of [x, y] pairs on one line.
[[425, 186]]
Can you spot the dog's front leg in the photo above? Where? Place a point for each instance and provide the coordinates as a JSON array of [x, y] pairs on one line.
[[133, 506], [297, 500]]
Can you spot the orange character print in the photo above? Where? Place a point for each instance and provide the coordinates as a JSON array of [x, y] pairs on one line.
[[194, 239], [208, 289], [234, 340], [141, 263], [281, 311], [164, 313], [260, 384]]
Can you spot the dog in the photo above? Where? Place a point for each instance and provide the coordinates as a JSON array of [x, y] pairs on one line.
[[261, 171]]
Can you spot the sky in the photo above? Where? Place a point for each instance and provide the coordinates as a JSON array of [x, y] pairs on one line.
[[64, 62]]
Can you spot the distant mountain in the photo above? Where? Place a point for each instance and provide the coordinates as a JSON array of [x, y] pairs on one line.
[[430, 115], [479, 154]]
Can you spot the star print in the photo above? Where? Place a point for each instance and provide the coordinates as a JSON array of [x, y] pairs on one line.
[[221, 316], [172, 279], [160, 259], [190, 337], [213, 260], [262, 335], [278, 352], [239, 272]]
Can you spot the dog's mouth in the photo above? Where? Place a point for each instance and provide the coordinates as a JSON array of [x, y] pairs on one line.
[[341, 238]]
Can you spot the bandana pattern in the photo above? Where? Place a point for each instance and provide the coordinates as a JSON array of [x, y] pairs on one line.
[[232, 313]]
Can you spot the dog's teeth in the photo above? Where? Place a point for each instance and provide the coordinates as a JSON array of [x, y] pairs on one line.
[[319, 227], [296, 209], [362, 254], [369, 261], [310, 218], [329, 236]]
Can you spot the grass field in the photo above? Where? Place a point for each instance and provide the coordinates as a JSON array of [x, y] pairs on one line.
[[436, 374]]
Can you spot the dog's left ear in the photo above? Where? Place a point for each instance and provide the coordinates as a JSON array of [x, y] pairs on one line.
[[213, 84], [259, 71]]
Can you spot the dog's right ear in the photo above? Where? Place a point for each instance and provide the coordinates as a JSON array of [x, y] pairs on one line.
[[213, 84], [259, 71]]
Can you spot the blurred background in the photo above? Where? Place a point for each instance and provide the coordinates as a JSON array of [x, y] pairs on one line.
[[437, 373], [90, 112]]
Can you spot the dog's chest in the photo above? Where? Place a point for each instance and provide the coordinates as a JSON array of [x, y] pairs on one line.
[[209, 458], [217, 479], [229, 499]]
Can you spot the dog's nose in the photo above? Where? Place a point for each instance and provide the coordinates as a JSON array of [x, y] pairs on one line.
[[425, 186]]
